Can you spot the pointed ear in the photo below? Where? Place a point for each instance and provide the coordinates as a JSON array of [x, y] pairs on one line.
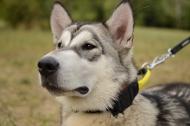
[[59, 20], [121, 24]]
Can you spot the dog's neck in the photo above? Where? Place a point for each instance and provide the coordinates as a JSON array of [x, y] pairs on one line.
[[129, 116], [125, 98]]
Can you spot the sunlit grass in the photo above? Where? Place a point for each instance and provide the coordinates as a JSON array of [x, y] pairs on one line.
[[24, 102]]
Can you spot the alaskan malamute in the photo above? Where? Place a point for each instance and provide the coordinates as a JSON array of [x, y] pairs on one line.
[[92, 73]]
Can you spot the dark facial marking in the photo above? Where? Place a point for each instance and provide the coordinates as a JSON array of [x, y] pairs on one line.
[[59, 45]]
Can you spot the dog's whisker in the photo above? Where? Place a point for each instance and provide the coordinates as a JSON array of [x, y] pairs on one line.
[[140, 9]]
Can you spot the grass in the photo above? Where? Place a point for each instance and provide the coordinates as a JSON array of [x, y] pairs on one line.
[[24, 102]]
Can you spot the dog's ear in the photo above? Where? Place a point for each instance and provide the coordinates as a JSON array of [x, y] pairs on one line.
[[59, 19], [121, 24]]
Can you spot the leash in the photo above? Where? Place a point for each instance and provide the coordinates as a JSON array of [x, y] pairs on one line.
[[128, 92], [146, 68]]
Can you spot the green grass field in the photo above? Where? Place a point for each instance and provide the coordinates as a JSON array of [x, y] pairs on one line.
[[24, 102]]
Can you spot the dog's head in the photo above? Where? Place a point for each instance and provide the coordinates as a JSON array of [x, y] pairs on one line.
[[91, 61]]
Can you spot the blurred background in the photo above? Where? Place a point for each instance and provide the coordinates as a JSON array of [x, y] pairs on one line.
[[35, 13], [25, 37]]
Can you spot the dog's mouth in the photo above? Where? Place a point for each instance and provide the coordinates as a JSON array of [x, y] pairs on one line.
[[59, 91], [82, 90], [54, 88]]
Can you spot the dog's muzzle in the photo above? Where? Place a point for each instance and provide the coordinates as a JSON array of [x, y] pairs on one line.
[[47, 65]]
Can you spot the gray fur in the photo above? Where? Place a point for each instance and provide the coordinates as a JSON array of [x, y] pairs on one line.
[[89, 79]]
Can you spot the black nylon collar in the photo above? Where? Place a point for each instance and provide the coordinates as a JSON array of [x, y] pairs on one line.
[[125, 99]]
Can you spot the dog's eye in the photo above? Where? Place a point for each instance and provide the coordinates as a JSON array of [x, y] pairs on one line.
[[59, 45], [88, 46]]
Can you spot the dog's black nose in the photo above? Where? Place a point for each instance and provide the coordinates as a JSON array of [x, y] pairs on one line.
[[47, 65]]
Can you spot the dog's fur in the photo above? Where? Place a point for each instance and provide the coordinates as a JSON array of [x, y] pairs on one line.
[[93, 61]]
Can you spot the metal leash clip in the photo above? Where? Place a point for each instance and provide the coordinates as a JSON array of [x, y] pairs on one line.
[[158, 60], [146, 72]]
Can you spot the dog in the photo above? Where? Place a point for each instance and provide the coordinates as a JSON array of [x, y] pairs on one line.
[[92, 73]]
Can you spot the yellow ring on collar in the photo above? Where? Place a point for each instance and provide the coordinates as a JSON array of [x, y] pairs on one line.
[[144, 80]]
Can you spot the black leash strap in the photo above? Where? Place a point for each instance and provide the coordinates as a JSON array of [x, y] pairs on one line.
[[171, 52], [180, 46]]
